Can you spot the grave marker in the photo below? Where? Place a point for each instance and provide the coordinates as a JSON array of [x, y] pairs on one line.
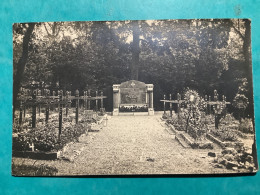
[[89, 114], [218, 106], [178, 102]]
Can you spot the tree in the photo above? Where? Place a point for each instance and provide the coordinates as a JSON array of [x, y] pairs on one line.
[[171, 54], [27, 29], [135, 48]]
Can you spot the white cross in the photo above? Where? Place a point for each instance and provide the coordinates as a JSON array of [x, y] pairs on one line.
[[132, 84], [31, 146]]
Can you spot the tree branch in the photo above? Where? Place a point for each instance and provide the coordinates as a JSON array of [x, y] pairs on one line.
[[237, 31], [46, 29]]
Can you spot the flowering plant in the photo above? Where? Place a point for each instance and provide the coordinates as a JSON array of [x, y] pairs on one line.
[[45, 138], [193, 113], [134, 108]]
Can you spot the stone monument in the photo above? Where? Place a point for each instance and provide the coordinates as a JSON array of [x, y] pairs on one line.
[[133, 97]]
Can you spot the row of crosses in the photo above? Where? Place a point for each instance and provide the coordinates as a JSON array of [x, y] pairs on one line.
[[36, 99], [219, 107]]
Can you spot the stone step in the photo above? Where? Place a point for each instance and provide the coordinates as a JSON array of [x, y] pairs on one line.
[[180, 139]]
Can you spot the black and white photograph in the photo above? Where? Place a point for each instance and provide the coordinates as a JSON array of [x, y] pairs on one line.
[[136, 97]]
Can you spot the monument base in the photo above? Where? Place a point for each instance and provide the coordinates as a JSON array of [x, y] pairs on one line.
[[150, 111], [133, 114], [115, 112]]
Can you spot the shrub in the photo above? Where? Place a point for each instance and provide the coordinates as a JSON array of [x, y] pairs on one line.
[[229, 119], [208, 119], [197, 132], [225, 134], [170, 121], [45, 138], [246, 126]]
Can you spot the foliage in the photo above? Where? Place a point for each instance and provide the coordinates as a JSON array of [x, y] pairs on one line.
[[80, 55], [240, 100], [193, 108], [133, 108], [208, 119], [225, 134], [197, 132], [166, 116], [246, 126], [45, 138], [229, 119], [172, 121]]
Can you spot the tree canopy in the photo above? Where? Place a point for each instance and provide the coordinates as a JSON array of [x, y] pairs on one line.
[[171, 54]]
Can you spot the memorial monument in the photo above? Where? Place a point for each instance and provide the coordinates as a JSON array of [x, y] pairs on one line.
[[133, 97]]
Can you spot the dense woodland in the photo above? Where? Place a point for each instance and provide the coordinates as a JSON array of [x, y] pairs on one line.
[[171, 54]]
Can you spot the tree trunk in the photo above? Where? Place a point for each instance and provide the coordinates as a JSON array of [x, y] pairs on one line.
[[21, 65], [135, 51], [248, 63]]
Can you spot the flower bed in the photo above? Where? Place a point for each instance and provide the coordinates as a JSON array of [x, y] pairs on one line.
[[225, 134], [197, 132], [133, 108], [45, 138]]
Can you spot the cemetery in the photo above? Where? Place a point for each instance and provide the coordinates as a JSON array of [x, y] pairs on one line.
[[46, 124], [43, 134], [133, 98]]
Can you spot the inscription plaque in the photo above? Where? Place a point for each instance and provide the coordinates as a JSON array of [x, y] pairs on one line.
[[133, 92], [133, 96]]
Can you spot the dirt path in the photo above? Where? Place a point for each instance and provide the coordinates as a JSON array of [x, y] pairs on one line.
[[134, 145]]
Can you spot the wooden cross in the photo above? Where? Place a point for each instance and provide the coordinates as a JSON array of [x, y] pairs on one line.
[[178, 102], [37, 99], [87, 98], [218, 106]]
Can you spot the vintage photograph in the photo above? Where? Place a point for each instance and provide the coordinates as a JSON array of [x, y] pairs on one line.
[[151, 97]]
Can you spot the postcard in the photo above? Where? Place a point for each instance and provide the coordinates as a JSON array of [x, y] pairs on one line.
[[151, 97]]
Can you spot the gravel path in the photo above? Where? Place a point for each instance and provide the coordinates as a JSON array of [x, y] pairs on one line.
[[134, 145], [137, 145]]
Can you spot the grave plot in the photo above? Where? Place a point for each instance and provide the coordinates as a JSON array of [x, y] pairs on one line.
[[43, 135], [202, 123]]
